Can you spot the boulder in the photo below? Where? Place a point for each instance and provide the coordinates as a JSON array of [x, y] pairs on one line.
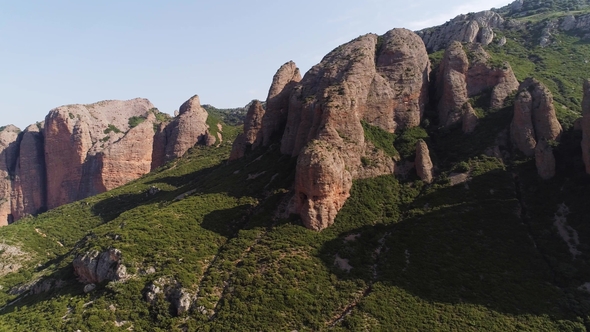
[[95, 267]]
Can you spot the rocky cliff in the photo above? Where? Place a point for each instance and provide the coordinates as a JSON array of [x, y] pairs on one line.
[[8, 155], [382, 80], [465, 72], [83, 150], [534, 125], [175, 138], [469, 28]]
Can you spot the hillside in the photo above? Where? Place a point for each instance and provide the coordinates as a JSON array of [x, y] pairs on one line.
[[392, 187]]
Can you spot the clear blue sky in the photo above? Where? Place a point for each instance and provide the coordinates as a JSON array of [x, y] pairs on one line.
[[57, 52]]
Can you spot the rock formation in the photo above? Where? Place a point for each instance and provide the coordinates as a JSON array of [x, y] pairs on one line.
[[262, 125], [381, 80], [586, 126], [8, 155], [95, 267], [451, 83], [74, 135], [251, 138], [469, 119], [521, 128], [534, 122], [277, 101], [459, 79], [83, 150], [423, 162], [127, 159], [182, 133], [469, 28], [29, 186], [483, 76]]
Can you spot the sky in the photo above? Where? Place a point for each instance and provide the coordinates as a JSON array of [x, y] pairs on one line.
[[58, 52]]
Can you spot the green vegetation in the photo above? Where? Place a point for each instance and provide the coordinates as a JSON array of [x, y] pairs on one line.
[[380, 138], [484, 254], [230, 116], [112, 128], [135, 120]]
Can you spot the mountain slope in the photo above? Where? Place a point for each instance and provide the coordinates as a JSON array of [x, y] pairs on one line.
[[209, 244]]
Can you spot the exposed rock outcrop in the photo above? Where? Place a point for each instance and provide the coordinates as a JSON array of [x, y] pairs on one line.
[[451, 85], [277, 101], [251, 138], [469, 119], [127, 159], [521, 128], [174, 139], [534, 125], [482, 76], [95, 267], [469, 28], [74, 135], [459, 78], [172, 291], [187, 129], [322, 184], [543, 113], [8, 155], [586, 126], [423, 162], [29, 186]]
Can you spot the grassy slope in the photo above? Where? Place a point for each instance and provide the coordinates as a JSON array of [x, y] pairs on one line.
[[484, 255], [424, 257]]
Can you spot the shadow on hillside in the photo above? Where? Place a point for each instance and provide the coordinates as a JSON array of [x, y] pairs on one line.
[[110, 208], [237, 179], [457, 245]]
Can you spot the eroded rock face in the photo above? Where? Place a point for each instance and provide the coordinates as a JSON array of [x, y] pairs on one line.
[[452, 85], [74, 135], [385, 86], [127, 159], [482, 76], [95, 267], [277, 101], [586, 126], [469, 119], [322, 185], [521, 128], [29, 189], [174, 139], [252, 136], [8, 155], [187, 129], [459, 78], [534, 125], [544, 119], [468, 28], [423, 162]]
